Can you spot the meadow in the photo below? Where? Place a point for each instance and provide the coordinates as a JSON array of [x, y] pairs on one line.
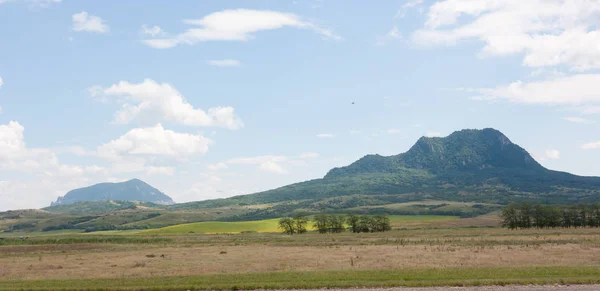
[[425, 251]]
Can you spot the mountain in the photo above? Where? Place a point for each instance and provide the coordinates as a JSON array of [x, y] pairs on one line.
[[132, 190], [482, 166]]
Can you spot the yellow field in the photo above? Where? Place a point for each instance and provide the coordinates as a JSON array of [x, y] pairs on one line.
[[270, 225]]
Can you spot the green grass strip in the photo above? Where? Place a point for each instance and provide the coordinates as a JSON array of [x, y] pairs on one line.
[[326, 279]]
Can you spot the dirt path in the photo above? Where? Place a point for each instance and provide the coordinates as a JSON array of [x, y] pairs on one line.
[[485, 288]]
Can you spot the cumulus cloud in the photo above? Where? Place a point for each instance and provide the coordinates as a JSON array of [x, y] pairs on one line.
[[236, 25], [546, 33], [155, 140], [577, 120], [393, 34], [272, 167], [151, 31], [308, 155], [269, 163], [570, 90], [217, 166], [325, 135], [83, 21], [552, 154], [224, 63], [37, 173], [591, 145], [150, 102]]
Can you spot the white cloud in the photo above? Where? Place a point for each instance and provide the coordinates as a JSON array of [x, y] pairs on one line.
[[571, 90], [552, 154], [236, 25], [547, 33], [272, 167], [35, 3], [549, 154], [0, 109], [267, 163], [35, 175], [224, 63], [308, 155], [12, 144], [393, 34], [82, 21], [433, 134], [406, 6], [591, 145], [1, 82], [325, 135], [589, 109], [167, 171], [393, 131], [150, 102], [257, 160], [152, 31], [577, 120], [154, 141], [217, 166], [163, 43]]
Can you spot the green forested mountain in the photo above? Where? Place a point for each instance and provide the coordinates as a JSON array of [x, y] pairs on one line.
[[132, 190], [467, 173], [468, 165]]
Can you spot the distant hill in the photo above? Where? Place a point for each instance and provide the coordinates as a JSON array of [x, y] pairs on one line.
[[470, 165], [132, 190]]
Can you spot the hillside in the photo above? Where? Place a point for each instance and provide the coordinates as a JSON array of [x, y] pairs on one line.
[[132, 190], [470, 165]]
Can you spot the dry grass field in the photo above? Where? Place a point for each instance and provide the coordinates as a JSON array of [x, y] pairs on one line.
[[571, 255]]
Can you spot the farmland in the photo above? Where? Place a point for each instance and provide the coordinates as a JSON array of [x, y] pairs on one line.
[[419, 251]]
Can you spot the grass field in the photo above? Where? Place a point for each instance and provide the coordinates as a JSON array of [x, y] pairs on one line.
[[174, 259], [270, 225], [327, 279]]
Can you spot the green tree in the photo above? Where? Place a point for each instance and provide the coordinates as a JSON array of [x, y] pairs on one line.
[[364, 223], [287, 225], [300, 221], [381, 223], [321, 223], [336, 223], [510, 216], [353, 221], [525, 213]]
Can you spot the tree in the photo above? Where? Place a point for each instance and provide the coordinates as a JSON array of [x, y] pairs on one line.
[[525, 213], [287, 225], [336, 223], [321, 223], [364, 223], [352, 220], [510, 217], [381, 223], [300, 221]]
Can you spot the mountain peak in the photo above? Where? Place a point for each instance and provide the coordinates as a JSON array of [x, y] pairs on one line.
[[130, 190], [464, 150]]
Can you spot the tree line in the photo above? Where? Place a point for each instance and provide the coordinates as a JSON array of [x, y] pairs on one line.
[[527, 215], [330, 223]]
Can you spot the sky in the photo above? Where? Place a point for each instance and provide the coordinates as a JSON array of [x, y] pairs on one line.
[[211, 99]]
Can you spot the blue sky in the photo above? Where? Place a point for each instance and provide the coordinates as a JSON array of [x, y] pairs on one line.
[[207, 99]]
